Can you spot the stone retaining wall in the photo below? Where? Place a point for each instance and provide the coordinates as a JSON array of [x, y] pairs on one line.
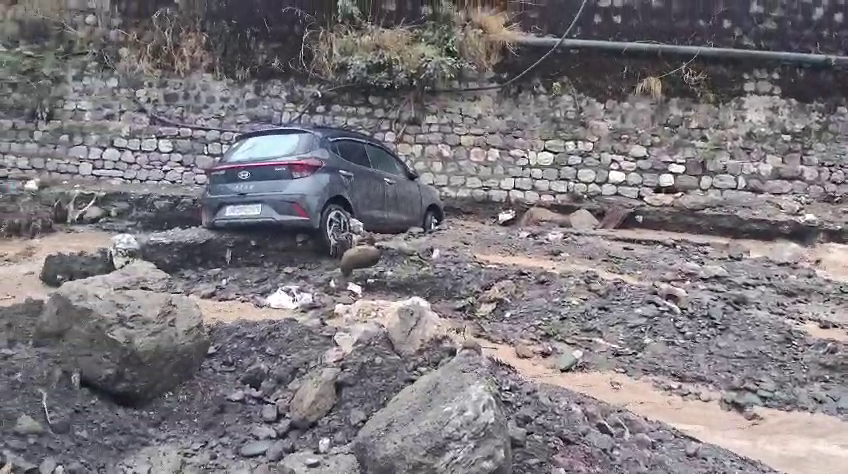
[[530, 147]]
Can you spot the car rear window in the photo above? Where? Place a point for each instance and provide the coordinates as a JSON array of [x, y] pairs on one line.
[[267, 147]]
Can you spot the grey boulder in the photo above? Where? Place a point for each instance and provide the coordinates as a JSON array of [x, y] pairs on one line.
[[131, 344], [448, 422], [363, 256], [315, 397]]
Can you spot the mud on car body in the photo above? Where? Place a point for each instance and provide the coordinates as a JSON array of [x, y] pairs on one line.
[[316, 179]]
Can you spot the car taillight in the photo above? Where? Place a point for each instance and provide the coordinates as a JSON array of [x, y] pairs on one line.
[[304, 168]]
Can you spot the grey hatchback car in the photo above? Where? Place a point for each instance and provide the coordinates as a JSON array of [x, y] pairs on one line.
[[316, 179]]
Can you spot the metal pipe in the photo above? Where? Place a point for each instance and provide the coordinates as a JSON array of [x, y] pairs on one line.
[[690, 51]]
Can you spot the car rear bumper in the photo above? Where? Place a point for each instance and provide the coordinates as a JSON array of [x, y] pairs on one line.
[[291, 211]]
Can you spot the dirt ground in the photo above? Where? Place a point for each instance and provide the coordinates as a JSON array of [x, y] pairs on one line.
[[761, 318]]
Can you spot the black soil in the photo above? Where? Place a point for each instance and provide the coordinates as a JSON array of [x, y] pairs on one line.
[[738, 332], [211, 417]]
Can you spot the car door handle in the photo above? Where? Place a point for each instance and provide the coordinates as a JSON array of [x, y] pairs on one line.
[[389, 181], [346, 174]]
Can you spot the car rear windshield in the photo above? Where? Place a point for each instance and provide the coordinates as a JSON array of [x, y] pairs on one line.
[[270, 147]]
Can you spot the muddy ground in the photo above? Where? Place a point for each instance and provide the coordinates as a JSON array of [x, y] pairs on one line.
[[740, 360]]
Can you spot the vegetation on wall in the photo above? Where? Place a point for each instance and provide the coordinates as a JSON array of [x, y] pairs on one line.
[[168, 44], [448, 44], [36, 44], [352, 50]]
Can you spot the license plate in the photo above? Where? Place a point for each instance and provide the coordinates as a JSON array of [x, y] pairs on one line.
[[242, 211]]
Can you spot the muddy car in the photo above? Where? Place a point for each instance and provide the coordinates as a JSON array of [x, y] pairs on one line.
[[316, 179]]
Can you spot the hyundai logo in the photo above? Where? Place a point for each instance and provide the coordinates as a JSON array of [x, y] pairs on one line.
[[243, 174]]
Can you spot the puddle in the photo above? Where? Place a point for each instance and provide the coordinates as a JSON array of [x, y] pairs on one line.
[[836, 334], [231, 311], [573, 265], [794, 443], [833, 261], [23, 260], [830, 260]]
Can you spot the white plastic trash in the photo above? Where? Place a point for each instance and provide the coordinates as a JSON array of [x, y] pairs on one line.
[[124, 250], [506, 216], [289, 297]]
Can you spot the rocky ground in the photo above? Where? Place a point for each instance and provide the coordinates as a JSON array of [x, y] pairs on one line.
[[712, 321]]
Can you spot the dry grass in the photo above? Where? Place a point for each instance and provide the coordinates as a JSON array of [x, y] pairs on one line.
[[481, 37], [168, 46], [485, 35], [651, 86], [339, 45]]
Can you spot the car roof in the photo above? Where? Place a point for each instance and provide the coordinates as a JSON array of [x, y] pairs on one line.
[[324, 132]]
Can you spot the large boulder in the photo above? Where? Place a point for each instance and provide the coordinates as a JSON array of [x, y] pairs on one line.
[[132, 344], [59, 268], [448, 422], [138, 275], [411, 324]]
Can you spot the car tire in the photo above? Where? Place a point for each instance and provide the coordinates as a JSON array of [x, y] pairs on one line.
[[334, 228], [431, 220]]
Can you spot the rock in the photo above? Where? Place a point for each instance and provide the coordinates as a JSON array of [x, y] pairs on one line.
[[92, 214], [63, 267], [538, 215], [357, 417], [131, 344], [269, 413], [713, 271], [363, 256], [254, 375], [27, 425], [448, 421], [410, 324], [263, 432], [237, 396], [251, 449], [324, 445], [568, 360], [398, 246], [582, 220], [501, 291], [315, 398], [693, 449], [48, 466], [347, 339], [159, 459], [786, 253], [276, 451], [139, 275], [643, 441], [413, 325], [517, 436], [308, 463], [673, 294], [181, 249], [524, 351], [124, 250]]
